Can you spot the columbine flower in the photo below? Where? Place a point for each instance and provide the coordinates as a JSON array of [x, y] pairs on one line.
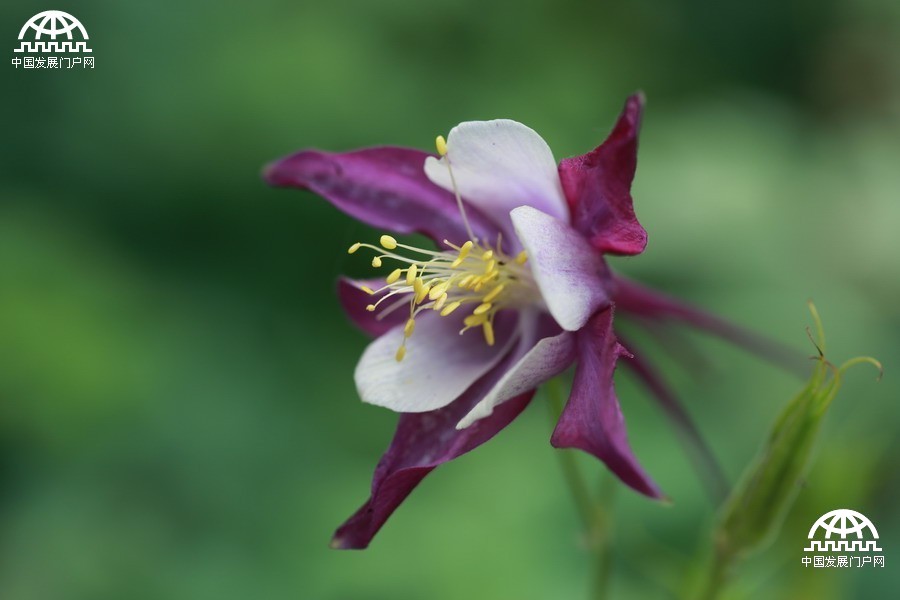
[[517, 291]]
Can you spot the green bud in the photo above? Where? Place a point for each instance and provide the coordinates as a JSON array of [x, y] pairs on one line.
[[753, 514]]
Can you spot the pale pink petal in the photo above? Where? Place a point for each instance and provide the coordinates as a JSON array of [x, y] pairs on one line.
[[546, 359], [573, 277], [440, 364], [499, 165]]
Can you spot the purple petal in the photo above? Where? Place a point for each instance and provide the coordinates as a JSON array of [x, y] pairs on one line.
[[354, 301], [385, 187], [573, 278], [635, 299], [704, 460], [422, 442], [592, 419], [598, 187]]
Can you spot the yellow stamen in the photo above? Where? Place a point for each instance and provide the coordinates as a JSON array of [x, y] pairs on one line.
[[439, 303], [482, 308], [394, 276], [420, 295], [463, 253], [450, 308], [441, 144], [473, 320], [493, 293], [488, 329], [446, 280], [437, 290], [522, 257]]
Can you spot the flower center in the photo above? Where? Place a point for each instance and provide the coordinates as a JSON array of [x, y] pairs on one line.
[[472, 277]]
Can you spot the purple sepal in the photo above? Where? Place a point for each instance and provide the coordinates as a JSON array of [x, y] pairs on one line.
[[592, 419], [634, 299], [385, 187], [597, 186], [422, 442], [704, 460]]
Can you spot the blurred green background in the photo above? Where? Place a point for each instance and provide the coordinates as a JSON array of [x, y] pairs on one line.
[[177, 413]]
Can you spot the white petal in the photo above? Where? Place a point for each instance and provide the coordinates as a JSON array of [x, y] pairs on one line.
[[499, 165], [572, 276], [548, 358], [439, 365]]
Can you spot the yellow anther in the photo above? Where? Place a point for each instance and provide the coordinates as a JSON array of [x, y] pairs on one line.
[[370, 308], [450, 308], [411, 273], [466, 281], [394, 276], [401, 352], [439, 289], [353, 248], [441, 144], [488, 255], [490, 266], [488, 329], [482, 308], [492, 294], [521, 257], [420, 295], [463, 253], [439, 303], [409, 328], [376, 262], [473, 320], [367, 289], [388, 242]]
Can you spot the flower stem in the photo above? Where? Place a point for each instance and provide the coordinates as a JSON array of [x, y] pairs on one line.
[[593, 512], [719, 573]]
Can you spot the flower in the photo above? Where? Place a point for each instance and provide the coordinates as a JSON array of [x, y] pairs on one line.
[[521, 253]]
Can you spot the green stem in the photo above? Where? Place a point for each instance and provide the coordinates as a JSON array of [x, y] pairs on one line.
[[719, 574], [595, 518], [601, 536]]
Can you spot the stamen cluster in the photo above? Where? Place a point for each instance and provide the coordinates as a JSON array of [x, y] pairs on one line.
[[472, 276]]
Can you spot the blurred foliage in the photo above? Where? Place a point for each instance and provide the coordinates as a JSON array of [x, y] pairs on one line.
[[177, 414]]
